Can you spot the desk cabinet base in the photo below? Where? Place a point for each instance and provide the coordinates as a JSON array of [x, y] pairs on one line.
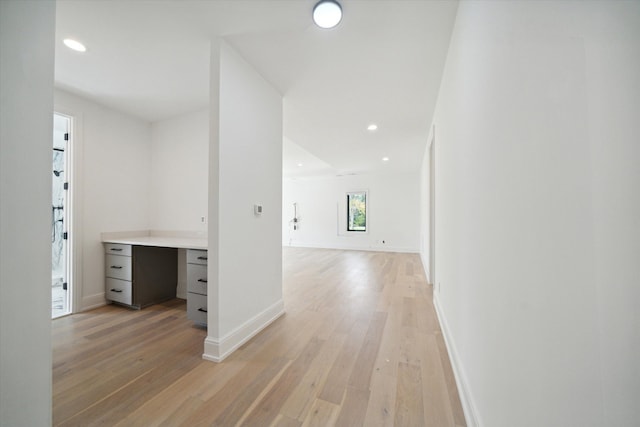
[[197, 308], [155, 275], [118, 291], [138, 276], [197, 286]]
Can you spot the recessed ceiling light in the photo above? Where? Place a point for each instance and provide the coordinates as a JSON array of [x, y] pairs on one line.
[[327, 13], [299, 164], [75, 45], [372, 126], [385, 159]]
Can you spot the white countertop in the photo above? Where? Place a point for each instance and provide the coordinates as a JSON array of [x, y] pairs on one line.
[[170, 241]]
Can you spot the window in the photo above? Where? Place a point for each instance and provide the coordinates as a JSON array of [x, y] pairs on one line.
[[357, 211]]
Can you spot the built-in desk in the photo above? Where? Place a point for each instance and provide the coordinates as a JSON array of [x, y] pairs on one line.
[[157, 241], [141, 268]]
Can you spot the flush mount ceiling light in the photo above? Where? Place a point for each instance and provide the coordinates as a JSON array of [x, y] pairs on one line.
[[372, 127], [327, 13], [75, 45], [385, 159]]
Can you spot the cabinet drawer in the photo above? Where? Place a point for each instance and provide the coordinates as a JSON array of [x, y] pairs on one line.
[[197, 308], [197, 278], [195, 256], [118, 267], [118, 291], [117, 249]]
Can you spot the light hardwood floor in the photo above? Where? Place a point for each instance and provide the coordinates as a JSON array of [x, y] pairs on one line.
[[359, 345]]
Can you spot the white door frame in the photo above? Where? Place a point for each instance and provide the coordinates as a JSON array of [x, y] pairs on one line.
[[432, 209], [74, 211]]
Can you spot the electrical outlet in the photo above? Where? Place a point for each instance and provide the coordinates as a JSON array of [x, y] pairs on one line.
[[203, 219]]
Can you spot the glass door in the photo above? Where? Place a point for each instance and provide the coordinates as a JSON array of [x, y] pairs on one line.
[[60, 291]]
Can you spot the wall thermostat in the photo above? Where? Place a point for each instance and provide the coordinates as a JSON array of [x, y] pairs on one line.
[[257, 209]]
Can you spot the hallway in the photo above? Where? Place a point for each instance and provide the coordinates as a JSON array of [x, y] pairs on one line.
[[359, 345]]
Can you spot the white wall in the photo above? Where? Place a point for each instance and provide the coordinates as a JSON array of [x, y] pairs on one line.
[[245, 279], [26, 129], [393, 212], [613, 99], [114, 179], [425, 212], [179, 173], [179, 180], [537, 209]]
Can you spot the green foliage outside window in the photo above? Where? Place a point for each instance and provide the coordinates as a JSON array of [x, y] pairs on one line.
[[357, 211]]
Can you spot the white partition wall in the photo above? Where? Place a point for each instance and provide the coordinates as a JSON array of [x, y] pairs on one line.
[[26, 128], [245, 169], [537, 207]]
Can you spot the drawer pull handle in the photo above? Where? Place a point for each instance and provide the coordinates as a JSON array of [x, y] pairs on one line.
[[117, 267], [116, 290], [204, 310], [202, 280], [203, 258], [116, 249]]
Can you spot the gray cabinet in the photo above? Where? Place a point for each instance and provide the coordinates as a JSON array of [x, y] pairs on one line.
[[118, 291], [117, 271], [197, 286], [138, 276]]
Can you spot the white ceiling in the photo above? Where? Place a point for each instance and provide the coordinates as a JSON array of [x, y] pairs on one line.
[[381, 64]]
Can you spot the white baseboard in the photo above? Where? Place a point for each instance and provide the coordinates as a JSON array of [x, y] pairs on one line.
[[353, 248], [216, 350], [469, 408], [93, 301]]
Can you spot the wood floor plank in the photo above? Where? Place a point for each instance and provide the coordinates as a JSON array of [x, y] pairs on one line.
[[336, 383], [382, 400], [245, 400], [353, 408], [409, 268], [165, 406], [284, 421], [214, 406], [389, 353], [409, 312], [410, 350], [359, 345], [300, 400], [426, 318], [452, 388], [437, 406], [322, 414], [361, 374], [175, 417], [190, 387], [210, 383], [128, 398], [409, 410], [269, 407]]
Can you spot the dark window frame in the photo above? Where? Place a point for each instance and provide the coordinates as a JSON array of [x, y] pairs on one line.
[[350, 227]]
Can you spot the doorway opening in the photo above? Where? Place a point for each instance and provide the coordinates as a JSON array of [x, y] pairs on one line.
[[432, 212], [60, 218]]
